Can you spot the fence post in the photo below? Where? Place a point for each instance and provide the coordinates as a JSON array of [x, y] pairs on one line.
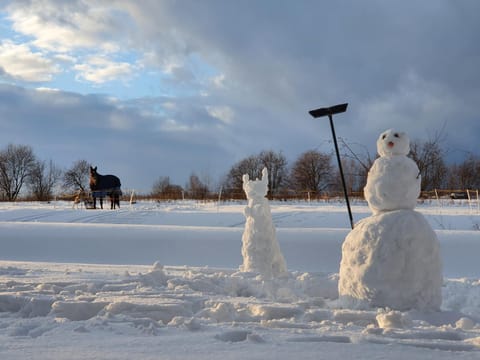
[[469, 201], [438, 198], [219, 198], [131, 197], [478, 203]]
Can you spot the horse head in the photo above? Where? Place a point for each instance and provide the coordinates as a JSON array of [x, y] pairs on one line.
[[93, 178]]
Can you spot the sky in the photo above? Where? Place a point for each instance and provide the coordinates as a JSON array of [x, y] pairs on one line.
[[154, 88]]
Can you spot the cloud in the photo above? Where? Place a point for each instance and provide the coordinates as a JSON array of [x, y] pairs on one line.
[[99, 70], [218, 81], [223, 113], [20, 62], [423, 108], [47, 89], [172, 125], [79, 35], [65, 58], [61, 26]]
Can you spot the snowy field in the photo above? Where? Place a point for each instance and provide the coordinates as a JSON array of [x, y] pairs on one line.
[[161, 281]]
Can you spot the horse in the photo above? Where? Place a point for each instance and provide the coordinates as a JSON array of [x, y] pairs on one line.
[[105, 185]]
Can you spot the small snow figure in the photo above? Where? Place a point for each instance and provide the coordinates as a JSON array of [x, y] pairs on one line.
[[392, 258], [394, 180], [260, 250]]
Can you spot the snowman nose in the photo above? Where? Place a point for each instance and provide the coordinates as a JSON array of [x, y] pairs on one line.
[[390, 144]]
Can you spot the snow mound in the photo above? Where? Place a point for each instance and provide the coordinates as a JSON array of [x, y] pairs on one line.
[[391, 260], [393, 319]]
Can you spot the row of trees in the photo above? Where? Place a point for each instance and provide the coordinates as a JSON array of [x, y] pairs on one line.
[[315, 173], [312, 172], [20, 169]]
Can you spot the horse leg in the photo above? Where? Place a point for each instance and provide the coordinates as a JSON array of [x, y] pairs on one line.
[[94, 202], [101, 203]]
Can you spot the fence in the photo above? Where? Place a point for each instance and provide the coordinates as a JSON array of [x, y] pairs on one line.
[[444, 197], [471, 196]]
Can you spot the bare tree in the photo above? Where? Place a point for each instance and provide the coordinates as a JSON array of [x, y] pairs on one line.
[[43, 179], [16, 164], [363, 157], [312, 171], [77, 177], [196, 188], [160, 185], [276, 164], [465, 175], [251, 166], [356, 165], [470, 172], [429, 157], [163, 189], [355, 175]]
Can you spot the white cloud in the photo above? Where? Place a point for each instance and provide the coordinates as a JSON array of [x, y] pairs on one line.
[[171, 125], [65, 58], [100, 70], [20, 62], [223, 113], [47, 89], [66, 26], [219, 81]]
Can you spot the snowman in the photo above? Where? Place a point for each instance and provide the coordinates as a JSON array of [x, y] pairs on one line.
[[392, 258], [260, 250]]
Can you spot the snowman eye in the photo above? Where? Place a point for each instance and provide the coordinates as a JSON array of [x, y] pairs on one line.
[[384, 136], [396, 135]]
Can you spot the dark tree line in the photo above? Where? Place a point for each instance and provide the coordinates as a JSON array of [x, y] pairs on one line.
[[312, 172], [20, 169], [315, 173]]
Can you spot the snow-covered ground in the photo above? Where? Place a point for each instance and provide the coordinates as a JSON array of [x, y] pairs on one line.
[[161, 281]]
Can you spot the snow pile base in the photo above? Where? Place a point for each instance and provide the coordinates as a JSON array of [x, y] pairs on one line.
[[392, 259]]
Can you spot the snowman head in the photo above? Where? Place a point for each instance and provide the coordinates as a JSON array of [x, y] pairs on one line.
[[393, 142]]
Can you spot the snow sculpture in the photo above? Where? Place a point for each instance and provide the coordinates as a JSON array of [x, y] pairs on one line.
[[392, 258], [260, 250]]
